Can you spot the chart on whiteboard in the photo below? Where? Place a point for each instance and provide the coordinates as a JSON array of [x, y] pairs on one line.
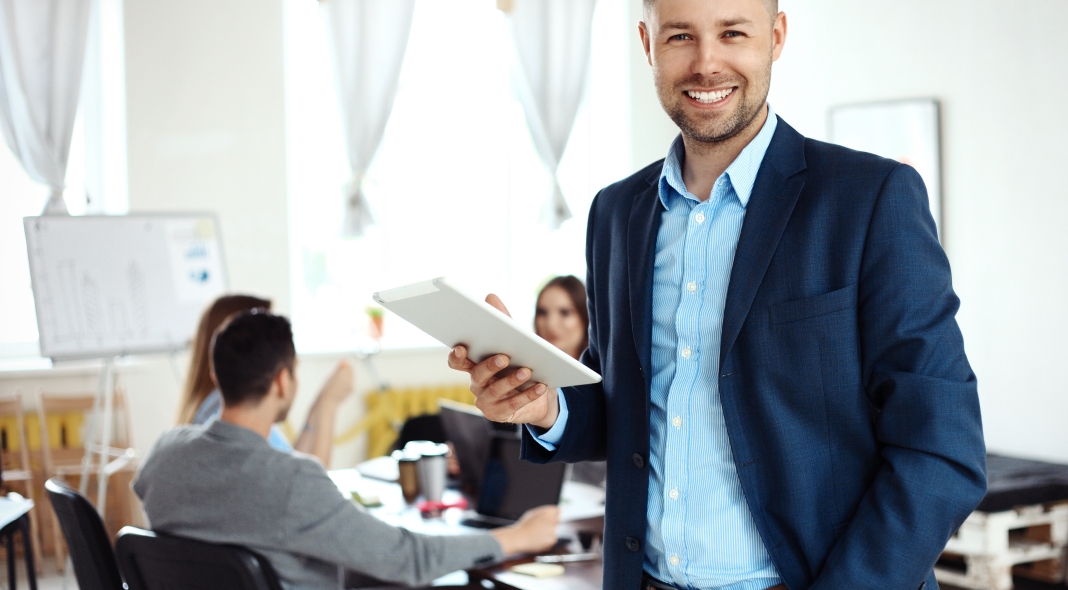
[[112, 285]]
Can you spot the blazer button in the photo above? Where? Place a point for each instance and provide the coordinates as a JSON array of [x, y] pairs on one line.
[[633, 544], [639, 461]]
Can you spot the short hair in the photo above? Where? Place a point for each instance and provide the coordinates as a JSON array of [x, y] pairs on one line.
[[772, 5], [247, 351]]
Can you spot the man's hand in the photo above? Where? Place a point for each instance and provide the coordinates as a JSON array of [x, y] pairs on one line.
[[496, 390], [534, 531]]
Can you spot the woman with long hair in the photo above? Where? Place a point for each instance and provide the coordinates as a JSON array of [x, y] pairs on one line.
[[201, 401], [561, 316]]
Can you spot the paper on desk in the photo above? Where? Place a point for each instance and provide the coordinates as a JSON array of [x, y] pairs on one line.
[[579, 501]]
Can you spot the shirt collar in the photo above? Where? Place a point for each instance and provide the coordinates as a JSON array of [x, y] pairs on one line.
[[741, 173], [232, 432]]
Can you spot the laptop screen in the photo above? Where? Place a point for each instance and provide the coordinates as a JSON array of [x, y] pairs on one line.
[[469, 433], [511, 486]]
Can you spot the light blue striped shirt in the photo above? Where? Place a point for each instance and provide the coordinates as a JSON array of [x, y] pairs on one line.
[[700, 532]]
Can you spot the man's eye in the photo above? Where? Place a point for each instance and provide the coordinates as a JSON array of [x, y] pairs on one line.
[[679, 37], [732, 34]]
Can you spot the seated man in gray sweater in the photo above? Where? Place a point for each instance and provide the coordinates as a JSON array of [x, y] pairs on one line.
[[222, 483]]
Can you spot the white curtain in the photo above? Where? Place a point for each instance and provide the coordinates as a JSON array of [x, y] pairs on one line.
[[552, 42], [42, 50], [367, 43]]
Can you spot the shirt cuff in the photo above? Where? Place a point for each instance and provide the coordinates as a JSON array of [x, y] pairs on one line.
[[550, 438]]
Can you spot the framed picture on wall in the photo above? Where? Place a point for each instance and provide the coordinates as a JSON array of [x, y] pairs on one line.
[[902, 130]]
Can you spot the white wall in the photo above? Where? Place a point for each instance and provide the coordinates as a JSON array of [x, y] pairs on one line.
[[998, 71], [206, 126]]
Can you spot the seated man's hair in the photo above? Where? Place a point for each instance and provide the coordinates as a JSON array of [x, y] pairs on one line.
[[247, 351]]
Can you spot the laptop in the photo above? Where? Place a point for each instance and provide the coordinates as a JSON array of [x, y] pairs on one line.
[[505, 485]]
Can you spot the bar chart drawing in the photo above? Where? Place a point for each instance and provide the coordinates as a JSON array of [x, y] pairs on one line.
[[111, 285]]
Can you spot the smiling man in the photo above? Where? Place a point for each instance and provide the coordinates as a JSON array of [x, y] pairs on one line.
[[786, 402]]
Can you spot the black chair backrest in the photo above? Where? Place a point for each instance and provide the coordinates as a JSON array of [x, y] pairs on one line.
[[153, 561], [87, 541]]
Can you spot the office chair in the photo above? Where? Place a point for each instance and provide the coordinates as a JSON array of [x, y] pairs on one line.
[[88, 543], [152, 561]]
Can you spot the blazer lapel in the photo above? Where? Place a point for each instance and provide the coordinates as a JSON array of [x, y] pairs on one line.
[[774, 195], [641, 252]]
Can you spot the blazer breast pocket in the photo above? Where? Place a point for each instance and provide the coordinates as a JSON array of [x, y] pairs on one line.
[[810, 307]]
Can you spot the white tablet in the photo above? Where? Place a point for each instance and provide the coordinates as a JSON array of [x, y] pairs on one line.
[[453, 317]]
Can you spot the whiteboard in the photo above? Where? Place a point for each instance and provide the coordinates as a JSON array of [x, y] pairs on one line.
[[108, 286]]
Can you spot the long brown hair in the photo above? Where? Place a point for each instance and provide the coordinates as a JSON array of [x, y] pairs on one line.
[[577, 292], [198, 383]]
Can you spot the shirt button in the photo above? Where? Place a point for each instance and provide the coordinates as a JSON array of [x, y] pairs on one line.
[[686, 352], [673, 494], [699, 218], [691, 287], [674, 560], [676, 422]]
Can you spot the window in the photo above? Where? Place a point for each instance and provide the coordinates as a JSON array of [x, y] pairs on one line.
[[456, 186], [95, 167]]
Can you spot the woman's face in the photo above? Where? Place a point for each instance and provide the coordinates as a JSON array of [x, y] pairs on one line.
[[557, 321]]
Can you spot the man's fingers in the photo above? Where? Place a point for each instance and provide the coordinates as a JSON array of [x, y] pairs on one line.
[[518, 408], [504, 386], [520, 399], [458, 360], [483, 373], [496, 302]]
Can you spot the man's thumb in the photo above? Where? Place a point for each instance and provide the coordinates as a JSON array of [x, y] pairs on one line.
[[496, 302]]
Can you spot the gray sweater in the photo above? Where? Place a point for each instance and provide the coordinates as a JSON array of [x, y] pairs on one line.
[[221, 483]]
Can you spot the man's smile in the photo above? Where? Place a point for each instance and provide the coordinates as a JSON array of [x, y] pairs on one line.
[[711, 96]]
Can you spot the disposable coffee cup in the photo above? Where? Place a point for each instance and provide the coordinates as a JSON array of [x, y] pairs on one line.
[[433, 468], [407, 467]]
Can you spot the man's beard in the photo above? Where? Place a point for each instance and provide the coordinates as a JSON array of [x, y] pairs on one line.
[[714, 130], [283, 413]]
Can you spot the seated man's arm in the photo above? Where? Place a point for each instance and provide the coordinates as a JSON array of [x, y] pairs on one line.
[[323, 524], [924, 399]]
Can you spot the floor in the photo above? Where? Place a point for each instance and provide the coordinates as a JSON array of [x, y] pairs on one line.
[[51, 579], [48, 579]]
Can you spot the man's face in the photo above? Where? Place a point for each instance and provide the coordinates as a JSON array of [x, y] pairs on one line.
[[712, 61]]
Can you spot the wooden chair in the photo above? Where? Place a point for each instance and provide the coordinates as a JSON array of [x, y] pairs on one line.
[[65, 459], [17, 466]]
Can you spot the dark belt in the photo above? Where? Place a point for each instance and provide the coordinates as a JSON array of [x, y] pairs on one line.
[[651, 583]]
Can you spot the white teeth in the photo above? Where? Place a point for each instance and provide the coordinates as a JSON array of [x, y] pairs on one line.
[[710, 97]]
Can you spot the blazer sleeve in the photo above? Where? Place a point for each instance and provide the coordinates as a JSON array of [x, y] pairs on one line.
[[585, 435], [923, 396]]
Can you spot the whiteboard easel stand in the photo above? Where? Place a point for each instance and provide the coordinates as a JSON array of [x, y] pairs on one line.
[[105, 393]]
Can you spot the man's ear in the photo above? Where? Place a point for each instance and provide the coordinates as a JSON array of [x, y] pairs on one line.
[[281, 381], [778, 36], [643, 33]]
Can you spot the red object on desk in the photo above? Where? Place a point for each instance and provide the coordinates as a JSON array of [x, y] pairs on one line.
[[426, 506]]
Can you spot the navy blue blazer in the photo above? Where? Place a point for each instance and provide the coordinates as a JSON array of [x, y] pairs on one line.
[[851, 408]]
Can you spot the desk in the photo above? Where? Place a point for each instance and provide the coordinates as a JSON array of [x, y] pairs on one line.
[[579, 575], [14, 517], [583, 575]]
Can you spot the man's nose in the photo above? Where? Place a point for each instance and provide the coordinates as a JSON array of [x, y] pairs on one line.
[[708, 60]]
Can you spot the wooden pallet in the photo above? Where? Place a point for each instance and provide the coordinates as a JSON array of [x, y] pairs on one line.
[[1031, 541]]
